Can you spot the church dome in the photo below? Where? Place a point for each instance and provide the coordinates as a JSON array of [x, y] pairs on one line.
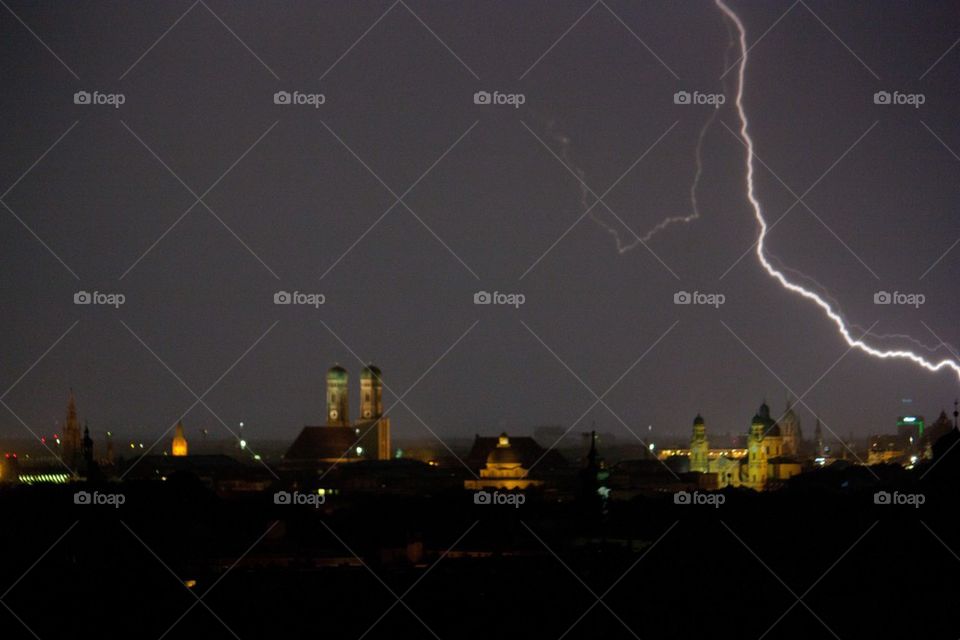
[[336, 373], [698, 420]]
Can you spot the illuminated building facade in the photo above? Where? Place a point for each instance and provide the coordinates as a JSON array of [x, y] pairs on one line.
[[504, 469], [768, 459]]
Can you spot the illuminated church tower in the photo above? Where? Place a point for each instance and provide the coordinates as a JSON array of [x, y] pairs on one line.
[[338, 407], [71, 435], [699, 446], [757, 451], [371, 393], [179, 448]]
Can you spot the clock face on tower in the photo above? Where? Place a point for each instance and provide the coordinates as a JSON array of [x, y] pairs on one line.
[[333, 414], [366, 414]]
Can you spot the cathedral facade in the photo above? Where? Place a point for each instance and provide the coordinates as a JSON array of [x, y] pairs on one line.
[[342, 439], [773, 450]]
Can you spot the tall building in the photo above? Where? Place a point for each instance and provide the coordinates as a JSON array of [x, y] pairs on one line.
[[761, 428], [790, 431], [71, 441], [371, 393], [179, 447], [699, 447], [338, 403]]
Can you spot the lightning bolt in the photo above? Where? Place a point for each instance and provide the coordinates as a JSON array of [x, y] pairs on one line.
[[830, 309]]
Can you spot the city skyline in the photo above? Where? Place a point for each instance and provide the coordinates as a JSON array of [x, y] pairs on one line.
[[502, 187]]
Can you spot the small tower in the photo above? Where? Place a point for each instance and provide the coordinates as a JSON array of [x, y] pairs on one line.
[[338, 407], [179, 448], [699, 447], [72, 444], [818, 440], [87, 446], [371, 393], [756, 451]]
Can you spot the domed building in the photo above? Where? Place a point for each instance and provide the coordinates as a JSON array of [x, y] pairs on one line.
[[767, 461], [503, 469]]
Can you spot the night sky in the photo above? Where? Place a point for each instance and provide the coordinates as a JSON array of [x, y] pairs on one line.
[[303, 184]]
